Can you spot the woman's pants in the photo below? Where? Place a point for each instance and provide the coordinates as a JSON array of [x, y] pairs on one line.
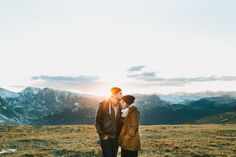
[[127, 153]]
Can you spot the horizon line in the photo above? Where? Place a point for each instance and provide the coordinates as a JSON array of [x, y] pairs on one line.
[[83, 93]]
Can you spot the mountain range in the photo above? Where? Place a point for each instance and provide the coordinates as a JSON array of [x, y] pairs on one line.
[[51, 106]]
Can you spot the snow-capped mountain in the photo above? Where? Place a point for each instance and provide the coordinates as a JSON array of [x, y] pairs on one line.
[[185, 98], [7, 114], [175, 99], [4, 93], [30, 91], [52, 106], [34, 105]]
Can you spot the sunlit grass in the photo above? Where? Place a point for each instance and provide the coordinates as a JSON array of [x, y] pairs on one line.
[[82, 140]]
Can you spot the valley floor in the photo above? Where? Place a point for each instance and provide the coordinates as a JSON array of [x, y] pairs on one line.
[[82, 140]]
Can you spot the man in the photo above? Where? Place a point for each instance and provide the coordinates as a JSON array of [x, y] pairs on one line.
[[108, 123]]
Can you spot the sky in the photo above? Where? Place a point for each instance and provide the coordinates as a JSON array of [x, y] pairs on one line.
[[89, 46]]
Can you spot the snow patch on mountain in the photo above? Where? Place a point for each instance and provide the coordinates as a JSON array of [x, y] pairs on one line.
[[180, 99], [31, 90], [4, 93]]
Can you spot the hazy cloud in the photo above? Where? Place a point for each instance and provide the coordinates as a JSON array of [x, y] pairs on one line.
[[177, 81], [135, 68], [82, 78], [147, 76], [81, 83], [17, 86]]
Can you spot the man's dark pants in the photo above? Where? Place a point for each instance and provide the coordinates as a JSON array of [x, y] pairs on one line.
[[109, 147]]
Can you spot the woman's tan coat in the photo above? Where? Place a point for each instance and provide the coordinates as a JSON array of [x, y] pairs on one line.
[[129, 135]]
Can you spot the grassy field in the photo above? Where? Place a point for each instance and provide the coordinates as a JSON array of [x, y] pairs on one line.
[[82, 140]]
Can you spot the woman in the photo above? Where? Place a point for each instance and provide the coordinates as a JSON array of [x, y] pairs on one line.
[[129, 136]]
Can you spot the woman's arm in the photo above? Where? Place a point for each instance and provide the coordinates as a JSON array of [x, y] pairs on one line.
[[134, 123]]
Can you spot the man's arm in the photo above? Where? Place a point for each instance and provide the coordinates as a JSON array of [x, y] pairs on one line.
[[98, 122]]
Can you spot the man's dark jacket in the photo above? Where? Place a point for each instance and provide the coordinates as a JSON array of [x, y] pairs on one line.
[[107, 123]]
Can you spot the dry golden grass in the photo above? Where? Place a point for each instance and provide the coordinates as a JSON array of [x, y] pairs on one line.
[[82, 140]]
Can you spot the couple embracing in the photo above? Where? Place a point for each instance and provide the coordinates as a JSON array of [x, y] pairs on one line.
[[117, 124]]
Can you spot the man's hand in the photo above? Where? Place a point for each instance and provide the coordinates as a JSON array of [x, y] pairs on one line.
[[105, 138]]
